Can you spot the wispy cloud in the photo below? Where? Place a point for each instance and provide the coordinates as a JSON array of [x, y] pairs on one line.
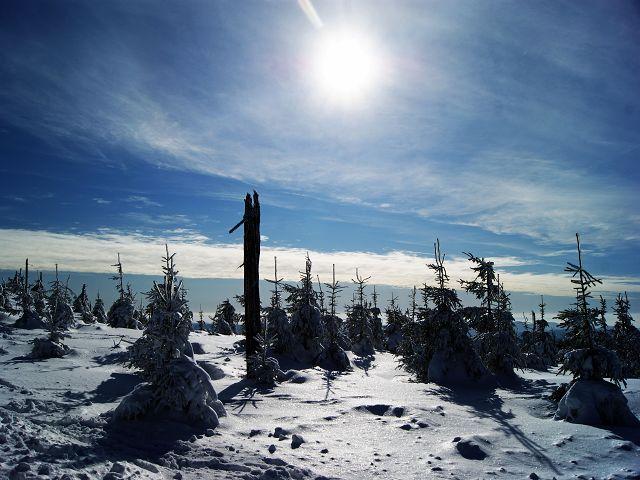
[[198, 258], [459, 132], [143, 201]]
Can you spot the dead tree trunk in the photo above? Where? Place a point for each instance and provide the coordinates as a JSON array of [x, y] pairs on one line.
[[251, 222]]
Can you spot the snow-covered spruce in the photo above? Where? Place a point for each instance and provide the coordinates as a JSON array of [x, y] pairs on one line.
[[496, 341], [436, 348], [175, 384], [277, 321], [396, 321], [360, 321], [306, 319], [264, 368], [590, 399], [224, 320], [122, 313], [626, 338], [58, 319], [29, 318], [98, 310], [82, 306], [334, 339], [39, 294], [539, 347]]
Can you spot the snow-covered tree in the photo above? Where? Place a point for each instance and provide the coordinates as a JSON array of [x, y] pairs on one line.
[[174, 383], [265, 369], [277, 320], [359, 322], [539, 346], [484, 288], [306, 320], [375, 315], [29, 318], [59, 303], [498, 347], [334, 340], [626, 338], [589, 399], [496, 340], [39, 294], [122, 313], [436, 348], [395, 323], [59, 319], [202, 326], [98, 310], [82, 305], [224, 319]]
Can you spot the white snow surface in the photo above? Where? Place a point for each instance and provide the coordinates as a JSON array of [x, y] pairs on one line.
[[371, 422]]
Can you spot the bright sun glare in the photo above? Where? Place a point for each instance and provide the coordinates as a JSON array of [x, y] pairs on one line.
[[346, 66]]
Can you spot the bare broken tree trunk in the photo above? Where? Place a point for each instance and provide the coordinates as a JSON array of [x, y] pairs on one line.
[[251, 221]]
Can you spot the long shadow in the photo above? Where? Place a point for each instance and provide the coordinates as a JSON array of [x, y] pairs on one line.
[[112, 358], [146, 439], [241, 394], [485, 403], [115, 387], [328, 378], [364, 363]]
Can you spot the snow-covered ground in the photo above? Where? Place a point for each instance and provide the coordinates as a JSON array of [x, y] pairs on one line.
[[373, 422]]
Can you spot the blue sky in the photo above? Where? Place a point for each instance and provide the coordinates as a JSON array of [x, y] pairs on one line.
[[500, 127]]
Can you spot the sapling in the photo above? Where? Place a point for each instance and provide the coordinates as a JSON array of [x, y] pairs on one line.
[[590, 399], [174, 383]]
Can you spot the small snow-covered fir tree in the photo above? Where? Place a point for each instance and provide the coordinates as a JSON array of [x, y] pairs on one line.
[[224, 319], [498, 348], [306, 320], [122, 313], [590, 399], [59, 303], [82, 305], [375, 315], [334, 340], [39, 294], [265, 368], [59, 319], [626, 338], [395, 323], [484, 288], [277, 320], [436, 348], [174, 383], [496, 340], [539, 346], [359, 322], [98, 310], [202, 326], [29, 318]]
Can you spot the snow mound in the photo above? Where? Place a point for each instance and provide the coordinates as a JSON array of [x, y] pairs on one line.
[[30, 321], [595, 402], [470, 448], [44, 348], [380, 410]]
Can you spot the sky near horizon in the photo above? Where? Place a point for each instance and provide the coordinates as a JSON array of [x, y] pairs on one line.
[[502, 128]]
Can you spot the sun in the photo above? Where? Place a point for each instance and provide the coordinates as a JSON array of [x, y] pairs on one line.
[[347, 66]]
